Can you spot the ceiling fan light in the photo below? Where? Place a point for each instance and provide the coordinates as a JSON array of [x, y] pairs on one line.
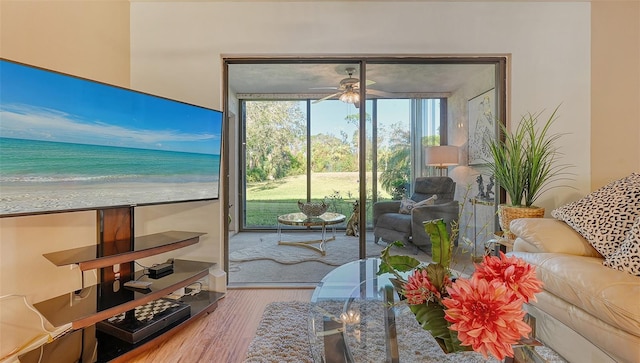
[[350, 97]]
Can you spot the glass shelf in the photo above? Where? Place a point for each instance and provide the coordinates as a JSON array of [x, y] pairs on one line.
[[90, 305], [91, 257]]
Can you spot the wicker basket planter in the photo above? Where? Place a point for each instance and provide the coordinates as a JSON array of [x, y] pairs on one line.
[[507, 213]]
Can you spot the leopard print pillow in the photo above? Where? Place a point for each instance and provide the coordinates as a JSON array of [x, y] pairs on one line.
[[627, 257], [605, 216]]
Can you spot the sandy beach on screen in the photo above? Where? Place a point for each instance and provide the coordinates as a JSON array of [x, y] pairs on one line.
[[25, 199]]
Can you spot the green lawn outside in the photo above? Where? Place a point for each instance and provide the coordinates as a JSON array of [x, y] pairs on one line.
[[267, 200]]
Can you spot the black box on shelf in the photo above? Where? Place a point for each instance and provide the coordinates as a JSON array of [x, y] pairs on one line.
[[135, 325], [161, 270]]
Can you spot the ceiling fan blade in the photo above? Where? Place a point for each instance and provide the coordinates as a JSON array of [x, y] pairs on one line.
[[380, 93], [327, 97], [323, 88], [357, 84]]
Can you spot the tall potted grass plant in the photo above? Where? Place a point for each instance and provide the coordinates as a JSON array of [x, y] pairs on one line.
[[524, 164]]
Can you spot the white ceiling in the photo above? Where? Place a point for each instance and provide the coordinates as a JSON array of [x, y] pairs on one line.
[[302, 78]]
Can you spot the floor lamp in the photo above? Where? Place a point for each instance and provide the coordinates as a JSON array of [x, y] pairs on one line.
[[441, 157]]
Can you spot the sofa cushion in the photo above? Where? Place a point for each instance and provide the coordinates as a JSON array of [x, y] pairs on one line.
[[550, 235], [396, 221], [425, 187], [607, 294], [627, 257], [429, 201], [605, 216], [561, 326]]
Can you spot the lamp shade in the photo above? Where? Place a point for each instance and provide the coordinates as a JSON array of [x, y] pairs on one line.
[[441, 155], [350, 96]]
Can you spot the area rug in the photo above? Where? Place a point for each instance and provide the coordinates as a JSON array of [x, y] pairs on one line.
[[338, 252], [283, 336]]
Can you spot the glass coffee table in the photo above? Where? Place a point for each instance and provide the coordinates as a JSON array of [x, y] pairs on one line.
[[354, 317], [300, 219], [348, 302]]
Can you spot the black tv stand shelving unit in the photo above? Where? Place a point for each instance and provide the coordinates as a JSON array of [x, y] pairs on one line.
[[109, 297]]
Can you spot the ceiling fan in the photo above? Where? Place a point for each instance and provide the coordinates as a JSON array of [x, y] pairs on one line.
[[349, 89]]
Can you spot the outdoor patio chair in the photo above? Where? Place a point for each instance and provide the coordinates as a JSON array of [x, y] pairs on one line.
[[390, 225]]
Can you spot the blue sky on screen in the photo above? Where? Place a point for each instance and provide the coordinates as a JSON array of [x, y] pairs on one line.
[[42, 105]]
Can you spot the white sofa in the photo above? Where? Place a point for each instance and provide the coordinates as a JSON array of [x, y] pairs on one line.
[[587, 312]]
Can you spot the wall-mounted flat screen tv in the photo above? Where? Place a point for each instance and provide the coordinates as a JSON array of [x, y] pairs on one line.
[[68, 143]]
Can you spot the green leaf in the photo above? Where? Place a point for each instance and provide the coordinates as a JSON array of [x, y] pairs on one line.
[[524, 161], [440, 242], [398, 285], [436, 274], [397, 263], [431, 318]]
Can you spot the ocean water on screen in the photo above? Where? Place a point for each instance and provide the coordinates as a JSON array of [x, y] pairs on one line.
[[29, 162]]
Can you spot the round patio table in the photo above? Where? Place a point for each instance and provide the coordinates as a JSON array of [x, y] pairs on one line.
[[300, 219]]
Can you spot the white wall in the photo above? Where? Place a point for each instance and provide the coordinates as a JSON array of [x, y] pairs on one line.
[[177, 49], [194, 216], [87, 39], [615, 90], [23, 269]]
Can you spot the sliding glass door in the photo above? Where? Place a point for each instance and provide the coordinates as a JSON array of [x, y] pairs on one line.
[[290, 155], [333, 169], [274, 158], [301, 122]]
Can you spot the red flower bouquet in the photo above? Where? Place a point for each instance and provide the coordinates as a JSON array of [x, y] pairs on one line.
[[481, 313]]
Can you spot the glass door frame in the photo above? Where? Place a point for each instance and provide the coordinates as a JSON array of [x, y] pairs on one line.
[[361, 62]]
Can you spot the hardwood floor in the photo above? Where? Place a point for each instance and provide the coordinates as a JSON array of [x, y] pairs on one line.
[[225, 334]]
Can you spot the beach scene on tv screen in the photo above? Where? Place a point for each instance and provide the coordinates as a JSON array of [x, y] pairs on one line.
[[68, 143]]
